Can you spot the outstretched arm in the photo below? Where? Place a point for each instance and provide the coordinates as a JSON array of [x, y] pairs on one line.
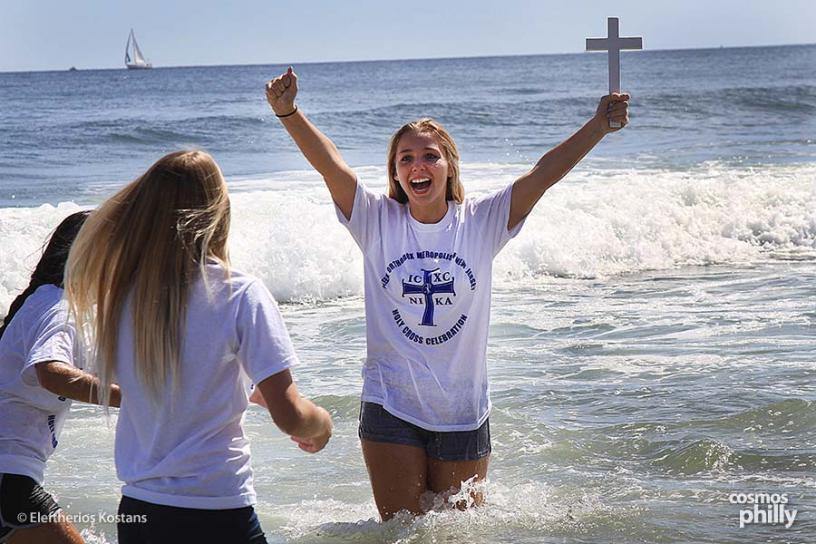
[[309, 425], [557, 163], [318, 149], [70, 382]]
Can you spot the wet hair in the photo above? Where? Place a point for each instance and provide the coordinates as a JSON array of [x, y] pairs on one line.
[[455, 190], [51, 268]]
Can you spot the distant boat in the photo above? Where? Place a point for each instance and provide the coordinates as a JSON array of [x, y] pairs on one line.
[[134, 59], [72, 69]]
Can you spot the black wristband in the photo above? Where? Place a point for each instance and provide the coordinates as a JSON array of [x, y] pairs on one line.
[[294, 111]]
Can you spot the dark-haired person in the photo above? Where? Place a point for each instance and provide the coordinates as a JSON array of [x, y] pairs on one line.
[[429, 254], [38, 379]]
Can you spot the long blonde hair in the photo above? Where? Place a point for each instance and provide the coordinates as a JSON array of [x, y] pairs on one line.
[[148, 242], [455, 190]]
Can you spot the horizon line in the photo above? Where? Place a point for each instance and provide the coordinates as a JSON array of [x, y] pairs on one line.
[[360, 61]]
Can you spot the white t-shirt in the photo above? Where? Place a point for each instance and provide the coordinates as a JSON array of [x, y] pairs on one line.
[[190, 450], [32, 417], [427, 301]]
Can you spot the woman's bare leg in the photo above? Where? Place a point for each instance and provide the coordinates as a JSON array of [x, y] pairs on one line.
[[446, 477], [59, 532], [398, 476]]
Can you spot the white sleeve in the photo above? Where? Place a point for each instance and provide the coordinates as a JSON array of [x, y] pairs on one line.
[[264, 346], [492, 213], [366, 216], [53, 341]]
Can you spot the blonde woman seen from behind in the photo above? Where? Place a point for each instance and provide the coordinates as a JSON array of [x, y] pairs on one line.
[[183, 334]]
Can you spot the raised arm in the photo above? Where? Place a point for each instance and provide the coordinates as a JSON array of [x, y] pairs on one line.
[[557, 162], [318, 149], [70, 382]]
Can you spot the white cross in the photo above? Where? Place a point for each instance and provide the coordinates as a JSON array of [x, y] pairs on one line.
[[614, 44]]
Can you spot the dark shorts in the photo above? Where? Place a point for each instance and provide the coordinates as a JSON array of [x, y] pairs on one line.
[[171, 525], [377, 425], [23, 504]]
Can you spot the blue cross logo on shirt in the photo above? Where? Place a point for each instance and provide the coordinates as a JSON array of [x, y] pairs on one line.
[[428, 289]]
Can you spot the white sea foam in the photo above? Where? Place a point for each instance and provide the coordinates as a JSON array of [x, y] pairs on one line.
[[591, 225], [505, 511], [24, 232], [636, 220]]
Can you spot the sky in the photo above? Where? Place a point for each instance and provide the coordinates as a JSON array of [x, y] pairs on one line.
[[58, 34]]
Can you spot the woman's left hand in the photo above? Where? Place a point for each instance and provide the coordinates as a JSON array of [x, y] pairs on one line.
[[613, 108]]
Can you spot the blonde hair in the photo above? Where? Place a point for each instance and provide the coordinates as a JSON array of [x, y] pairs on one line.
[[455, 190], [148, 242]]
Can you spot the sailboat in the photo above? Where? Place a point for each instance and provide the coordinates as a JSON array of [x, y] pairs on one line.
[[134, 60]]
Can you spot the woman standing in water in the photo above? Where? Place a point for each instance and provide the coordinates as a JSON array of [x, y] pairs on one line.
[[428, 254], [183, 334]]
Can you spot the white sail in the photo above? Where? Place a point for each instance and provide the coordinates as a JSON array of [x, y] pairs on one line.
[[134, 58], [137, 53]]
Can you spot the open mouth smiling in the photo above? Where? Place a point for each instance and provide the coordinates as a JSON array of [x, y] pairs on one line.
[[420, 184]]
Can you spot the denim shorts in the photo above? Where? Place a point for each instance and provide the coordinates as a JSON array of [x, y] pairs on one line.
[[171, 524], [377, 425], [20, 499]]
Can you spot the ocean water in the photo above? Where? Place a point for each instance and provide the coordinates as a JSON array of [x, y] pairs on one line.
[[653, 334]]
